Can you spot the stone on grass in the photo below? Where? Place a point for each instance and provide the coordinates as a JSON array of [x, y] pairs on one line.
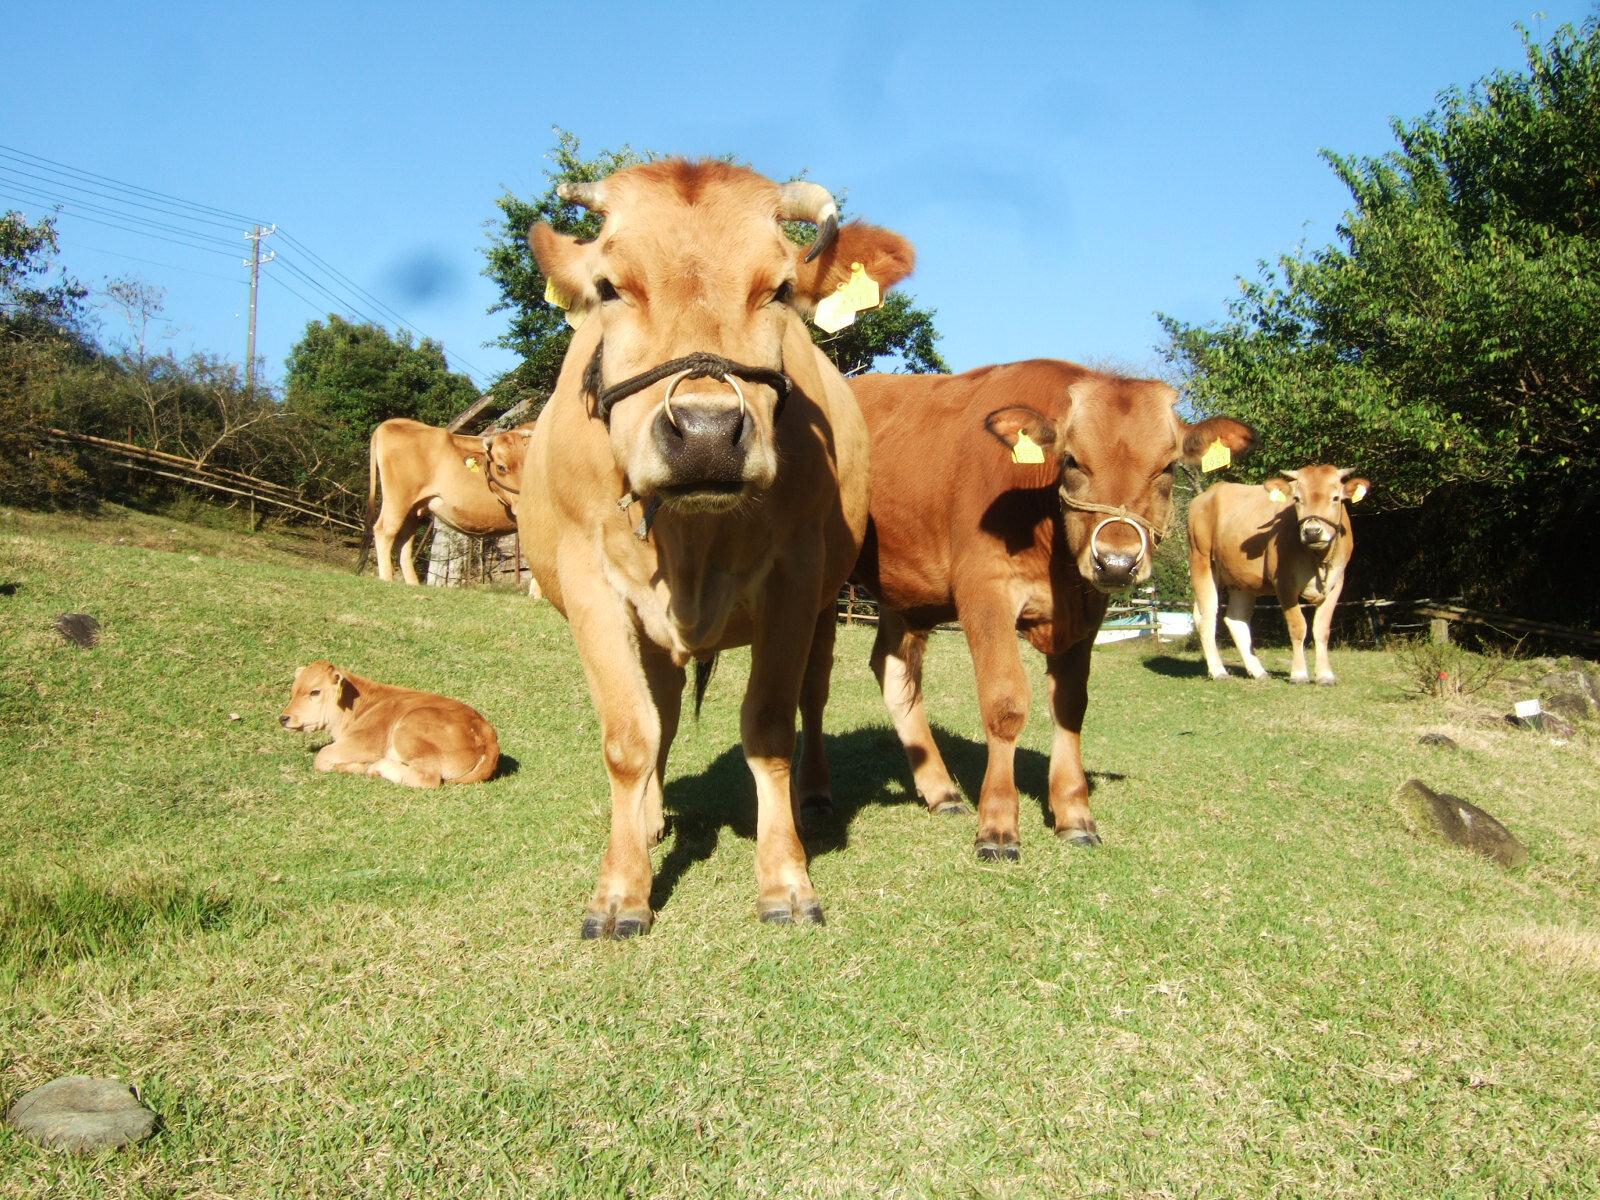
[[82, 1114], [1442, 740], [1571, 706], [1460, 822]]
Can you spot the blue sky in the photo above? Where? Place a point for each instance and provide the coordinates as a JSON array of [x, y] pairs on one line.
[[1066, 171]]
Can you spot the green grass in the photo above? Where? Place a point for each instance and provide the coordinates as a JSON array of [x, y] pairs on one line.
[[1261, 985]]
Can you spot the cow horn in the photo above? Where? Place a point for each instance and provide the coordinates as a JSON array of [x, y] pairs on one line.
[[586, 195], [1344, 472], [1295, 475], [803, 201]]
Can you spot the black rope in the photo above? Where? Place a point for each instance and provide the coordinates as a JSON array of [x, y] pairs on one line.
[[694, 366]]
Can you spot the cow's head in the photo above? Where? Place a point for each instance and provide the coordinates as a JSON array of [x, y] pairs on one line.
[[505, 452], [1319, 495], [320, 698], [694, 288], [1114, 444]]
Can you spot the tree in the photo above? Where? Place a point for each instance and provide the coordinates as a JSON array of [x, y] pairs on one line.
[[538, 331], [41, 343], [1449, 344], [344, 380]]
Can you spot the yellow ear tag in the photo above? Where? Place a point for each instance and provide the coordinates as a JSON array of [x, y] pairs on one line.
[[1026, 450], [856, 294], [554, 295], [1276, 495], [862, 290], [472, 464], [1216, 457], [1361, 490]]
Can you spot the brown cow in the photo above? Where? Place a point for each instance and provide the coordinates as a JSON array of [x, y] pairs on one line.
[[505, 451], [425, 471], [406, 736], [1029, 540], [1288, 536], [698, 480]]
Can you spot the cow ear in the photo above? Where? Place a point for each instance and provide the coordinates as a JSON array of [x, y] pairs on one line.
[[1238, 437], [563, 260], [885, 257], [1355, 489], [298, 671], [346, 689], [1278, 490], [1011, 425]]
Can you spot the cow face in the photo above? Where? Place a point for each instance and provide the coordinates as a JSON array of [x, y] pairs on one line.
[[319, 699], [1114, 445], [505, 453], [692, 261], [1319, 495]]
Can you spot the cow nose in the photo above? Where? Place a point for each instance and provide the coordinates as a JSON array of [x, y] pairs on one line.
[[1115, 567], [1116, 570], [702, 443], [284, 720], [1315, 534]]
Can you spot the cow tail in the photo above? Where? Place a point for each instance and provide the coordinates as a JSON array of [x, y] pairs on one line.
[[704, 669], [372, 502]]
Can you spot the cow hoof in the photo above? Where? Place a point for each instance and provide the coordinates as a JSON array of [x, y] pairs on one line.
[[1299, 679], [1079, 837], [1218, 675], [792, 912], [1326, 681], [615, 927], [950, 806], [997, 852]]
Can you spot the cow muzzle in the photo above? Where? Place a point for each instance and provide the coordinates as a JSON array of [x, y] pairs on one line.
[[1317, 533], [1118, 568], [704, 448]]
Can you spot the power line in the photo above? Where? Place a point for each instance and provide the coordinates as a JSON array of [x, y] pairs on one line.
[[68, 190]]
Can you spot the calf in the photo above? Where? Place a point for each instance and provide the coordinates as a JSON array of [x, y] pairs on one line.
[[1014, 498], [409, 737], [1290, 537]]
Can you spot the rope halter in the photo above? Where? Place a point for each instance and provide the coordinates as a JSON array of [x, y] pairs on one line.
[[1149, 535]]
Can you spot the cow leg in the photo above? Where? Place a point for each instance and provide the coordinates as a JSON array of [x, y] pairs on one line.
[[1241, 607], [338, 756], [1205, 618], [630, 734], [1003, 698], [1069, 787], [815, 791], [384, 530], [778, 666], [897, 654], [666, 681], [410, 774], [1321, 627], [408, 548]]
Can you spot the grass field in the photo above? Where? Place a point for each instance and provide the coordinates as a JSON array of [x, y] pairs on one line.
[[1261, 985]]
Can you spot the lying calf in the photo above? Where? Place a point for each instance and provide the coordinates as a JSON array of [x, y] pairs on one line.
[[408, 737]]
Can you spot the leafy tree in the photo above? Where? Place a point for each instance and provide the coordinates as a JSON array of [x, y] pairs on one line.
[[343, 380], [41, 343], [1449, 344], [538, 331]]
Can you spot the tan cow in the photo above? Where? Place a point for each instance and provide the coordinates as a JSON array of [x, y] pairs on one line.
[[505, 451], [1014, 498], [698, 480], [424, 471], [1290, 537], [406, 736]]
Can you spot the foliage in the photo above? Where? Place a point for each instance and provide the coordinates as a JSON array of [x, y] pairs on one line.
[[1446, 671], [1449, 345], [538, 331], [343, 380], [41, 344]]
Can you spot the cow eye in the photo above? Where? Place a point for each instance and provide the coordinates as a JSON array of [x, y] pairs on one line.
[[607, 291], [316, 691], [1071, 463], [784, 294]]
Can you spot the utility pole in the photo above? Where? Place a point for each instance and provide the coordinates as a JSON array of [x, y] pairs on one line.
[[254, 263]]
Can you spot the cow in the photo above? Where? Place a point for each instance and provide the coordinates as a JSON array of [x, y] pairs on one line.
[[697, 481], [1014, 498], [1290, 537], [425, 471], [504, 453], [405, 736]]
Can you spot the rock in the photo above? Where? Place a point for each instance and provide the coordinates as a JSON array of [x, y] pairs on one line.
[[1583, 683], [79, 628], [82, 1114], [1460, 822], [1554, 724], [1571, 705], [1443, 741]]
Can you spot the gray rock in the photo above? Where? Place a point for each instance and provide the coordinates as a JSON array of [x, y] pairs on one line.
[[1460, 822], [1574, 706], [79, 628], [1583, 682], [1551, 723], [82, 1114], [1441, 740]]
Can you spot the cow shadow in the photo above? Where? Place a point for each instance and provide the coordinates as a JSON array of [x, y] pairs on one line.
[[1176, 668], [869, 770]]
